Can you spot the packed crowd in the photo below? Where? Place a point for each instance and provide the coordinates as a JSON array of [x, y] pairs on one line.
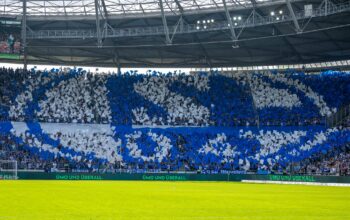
[[101, 147], [77, 120], [10, 84], [335, 161], [346, 122], [181, 110], [173, 99], [9, 42], [80, 99]]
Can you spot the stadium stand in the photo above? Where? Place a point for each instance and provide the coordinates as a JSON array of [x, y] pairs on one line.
[[334, 162], [206, 122]]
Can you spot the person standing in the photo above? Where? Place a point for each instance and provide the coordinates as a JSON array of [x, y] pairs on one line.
[[11, 43]]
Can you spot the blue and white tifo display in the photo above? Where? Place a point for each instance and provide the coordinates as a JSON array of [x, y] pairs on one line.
[[173, 121]]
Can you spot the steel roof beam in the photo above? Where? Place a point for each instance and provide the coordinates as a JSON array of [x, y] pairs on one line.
[[183, 18], [255, 21], [295, 21], [143, 11], [181, 9], [104, 8], [229, 21], [216, 4], [253, 3], [165, 25], [24, 33], [123, 13], [98, 28]]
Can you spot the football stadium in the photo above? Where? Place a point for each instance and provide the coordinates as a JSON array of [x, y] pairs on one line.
[[175, 109]]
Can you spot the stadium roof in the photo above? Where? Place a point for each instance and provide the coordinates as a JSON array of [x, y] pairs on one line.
[[183, 33], [119, 7]]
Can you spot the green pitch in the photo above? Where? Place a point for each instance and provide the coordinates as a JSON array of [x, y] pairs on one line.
[[9, 56], [107, 200]]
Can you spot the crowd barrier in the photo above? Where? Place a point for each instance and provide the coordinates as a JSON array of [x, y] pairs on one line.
[[178, 177]]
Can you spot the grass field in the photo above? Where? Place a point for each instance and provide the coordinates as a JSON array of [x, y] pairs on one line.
[[104, 200], [9, 56]]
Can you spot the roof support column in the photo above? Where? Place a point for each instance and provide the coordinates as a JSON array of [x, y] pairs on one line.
[[116, 61], [98, 28], [106, 24], [229, 21], [24, 33], [118, 65], [165, 25], [325, 7], [295, 21]]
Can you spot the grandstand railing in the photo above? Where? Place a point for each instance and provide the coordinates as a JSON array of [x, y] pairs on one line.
[[307, 68]]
